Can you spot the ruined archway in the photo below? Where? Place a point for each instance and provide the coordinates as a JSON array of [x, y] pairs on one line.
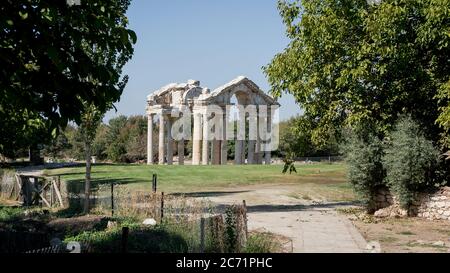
[[210, 113]]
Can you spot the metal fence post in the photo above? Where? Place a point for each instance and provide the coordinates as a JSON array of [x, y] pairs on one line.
[[162, 206], [154, 182], [112, 198]]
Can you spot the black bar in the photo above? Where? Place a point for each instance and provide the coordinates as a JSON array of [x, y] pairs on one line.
[[112, 198], [154, 182], [125, 231], [162, 206]]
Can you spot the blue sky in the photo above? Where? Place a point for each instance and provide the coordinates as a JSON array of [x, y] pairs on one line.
[[213, 41]]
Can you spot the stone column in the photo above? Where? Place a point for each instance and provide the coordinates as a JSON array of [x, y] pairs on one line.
[[169, 142], [205, 150], [258, 153], [181, 152], [224, 142], [216, 151], [150, 139], [238, 149], [251, 152], [268, 152], [197, 138], [239, 152], [161, 139]]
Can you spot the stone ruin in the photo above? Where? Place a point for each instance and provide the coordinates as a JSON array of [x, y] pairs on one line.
[[212, 129]]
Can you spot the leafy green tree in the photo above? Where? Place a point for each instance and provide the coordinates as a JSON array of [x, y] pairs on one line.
[[444, 117], [410, 161], [76, 141], [363, 153], [296, 140], [100, 144], [58, 147], [116, 142], [53, 58], [90, 121], [351, 62], [136, 141]]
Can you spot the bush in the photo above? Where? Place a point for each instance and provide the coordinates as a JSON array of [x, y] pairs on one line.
[[363, 153], [231, 237], [158, 239], [8, 214], [410, 161], [262, 243]]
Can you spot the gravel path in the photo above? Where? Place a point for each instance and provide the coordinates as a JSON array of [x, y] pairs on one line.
[[37, 170]]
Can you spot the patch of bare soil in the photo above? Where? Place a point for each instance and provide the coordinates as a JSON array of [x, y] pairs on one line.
[[8, 203], [405, 235]]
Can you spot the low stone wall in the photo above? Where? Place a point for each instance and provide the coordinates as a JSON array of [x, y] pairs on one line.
[[383, 199], [434, 206]]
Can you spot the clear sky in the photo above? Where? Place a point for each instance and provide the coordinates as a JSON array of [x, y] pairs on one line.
[[212, 41]]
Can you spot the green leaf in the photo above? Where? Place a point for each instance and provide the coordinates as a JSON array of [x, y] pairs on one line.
[[55, 132], [133, 36], [23, 15]]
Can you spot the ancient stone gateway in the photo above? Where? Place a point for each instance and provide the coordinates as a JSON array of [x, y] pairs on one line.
[[237, 111]]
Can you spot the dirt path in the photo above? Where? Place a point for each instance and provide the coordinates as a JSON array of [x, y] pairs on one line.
[[38, 170], [312, 226]]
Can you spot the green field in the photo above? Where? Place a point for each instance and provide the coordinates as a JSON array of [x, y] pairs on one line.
[[330, 177]]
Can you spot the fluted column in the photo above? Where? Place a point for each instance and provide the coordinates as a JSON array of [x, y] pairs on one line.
[[224, 142], [197, 138], [205, 147], [181, 152], [268, 152], [239, 153], [238, 149], [169, 142], [216, 151], [161, 139], [251, 152], [258, 153], [150, 139]]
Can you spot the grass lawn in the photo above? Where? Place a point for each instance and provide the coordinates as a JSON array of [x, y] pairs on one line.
[[193, 178]]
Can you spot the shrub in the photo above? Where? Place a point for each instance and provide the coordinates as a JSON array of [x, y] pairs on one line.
[[410, 161], [158, 239], [10, 213], [231, 240], [262, 243], [363, 153]]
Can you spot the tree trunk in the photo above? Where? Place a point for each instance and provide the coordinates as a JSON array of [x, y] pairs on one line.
[[87, 186]]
